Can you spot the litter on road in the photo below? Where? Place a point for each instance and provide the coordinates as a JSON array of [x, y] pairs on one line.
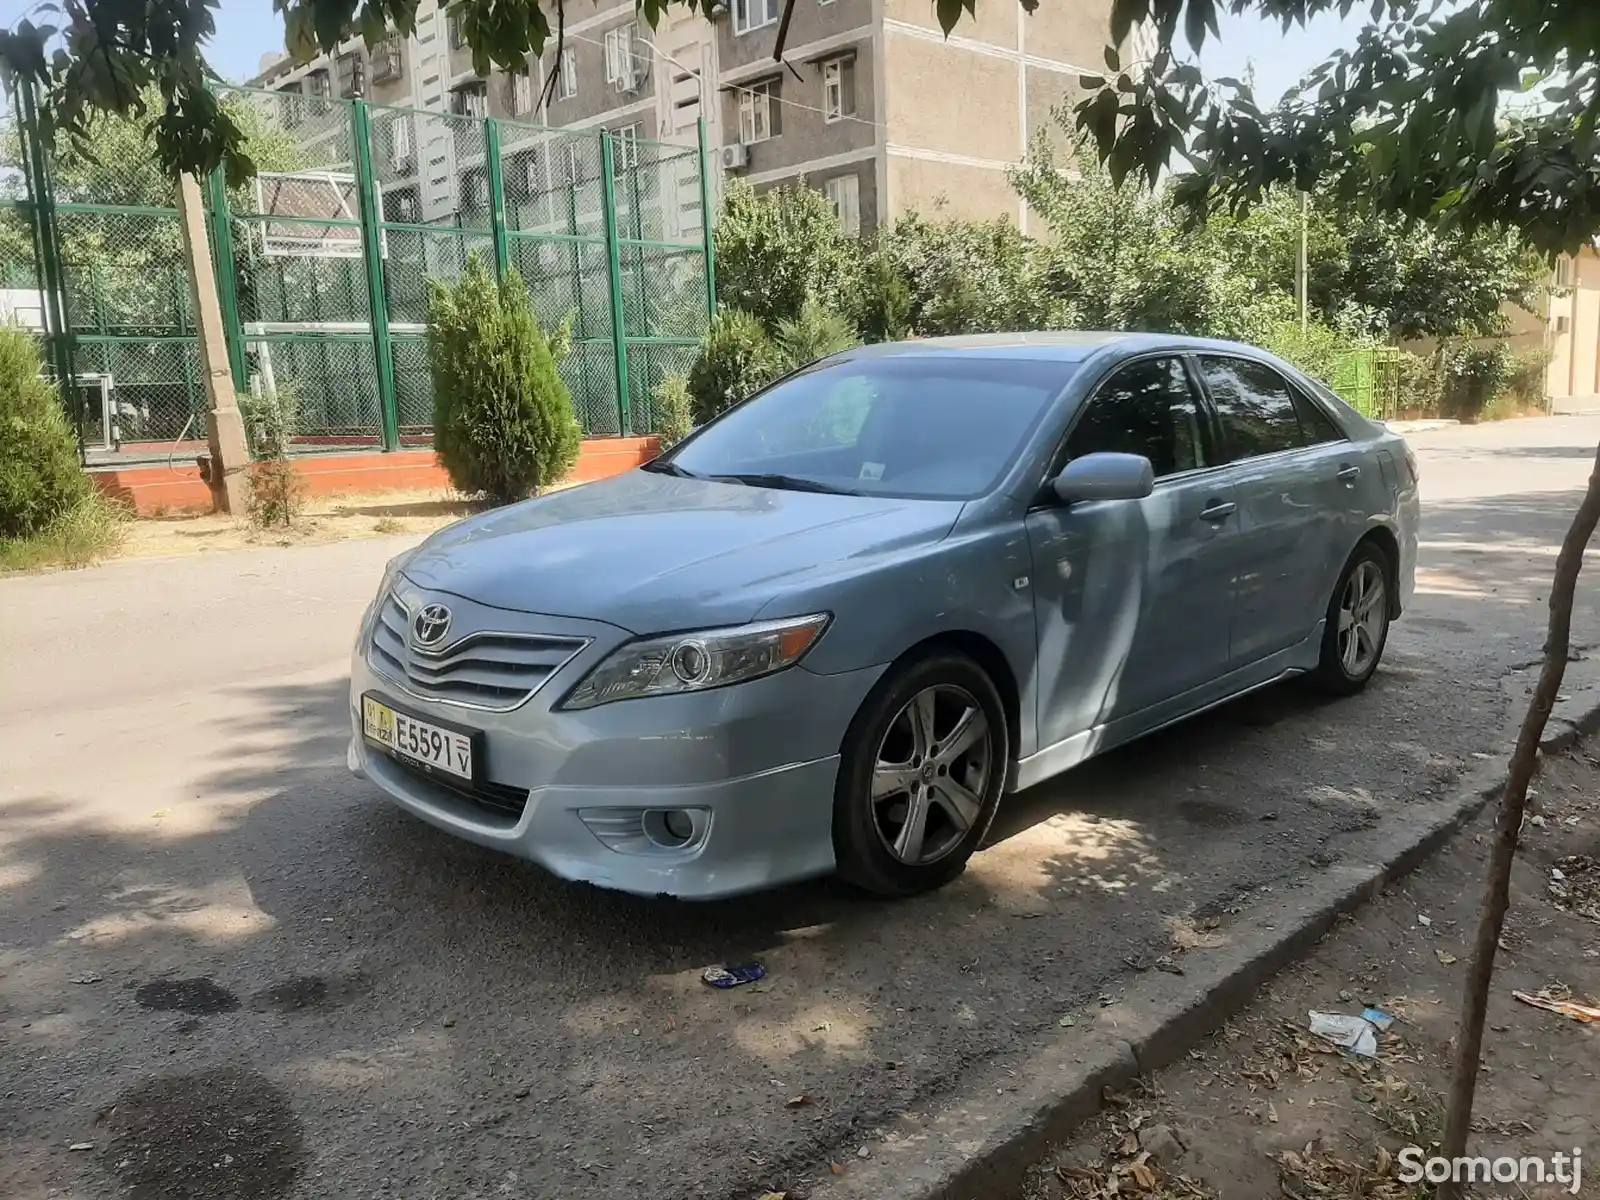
[[732, 977], [1587, 1013]]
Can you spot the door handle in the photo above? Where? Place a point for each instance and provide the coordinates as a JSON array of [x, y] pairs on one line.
[[1348, 474], [1217, 510]]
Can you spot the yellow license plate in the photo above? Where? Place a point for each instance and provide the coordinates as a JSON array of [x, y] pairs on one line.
[[434, 746]]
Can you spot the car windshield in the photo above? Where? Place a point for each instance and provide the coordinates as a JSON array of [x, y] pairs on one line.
[[915, 426]]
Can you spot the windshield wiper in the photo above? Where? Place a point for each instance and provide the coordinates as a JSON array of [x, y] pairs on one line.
[[668, 468], [787, 483]]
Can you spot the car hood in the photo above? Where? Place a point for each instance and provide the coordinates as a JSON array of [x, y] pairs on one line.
[[653, 553]]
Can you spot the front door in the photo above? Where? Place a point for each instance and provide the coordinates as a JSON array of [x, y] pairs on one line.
[[1132, 598]]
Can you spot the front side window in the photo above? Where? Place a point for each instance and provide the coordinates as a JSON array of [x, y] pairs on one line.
[[1255, 406], [914, 426], [1146, 408]]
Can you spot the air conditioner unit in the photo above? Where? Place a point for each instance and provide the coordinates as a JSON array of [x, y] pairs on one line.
[[734, 156]]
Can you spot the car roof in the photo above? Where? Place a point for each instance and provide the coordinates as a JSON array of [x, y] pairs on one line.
[[1067, 345]]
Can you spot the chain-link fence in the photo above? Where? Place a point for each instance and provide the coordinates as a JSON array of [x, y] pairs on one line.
[[326, 260]]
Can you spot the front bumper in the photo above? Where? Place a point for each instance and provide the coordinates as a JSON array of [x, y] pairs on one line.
[[754, 763]]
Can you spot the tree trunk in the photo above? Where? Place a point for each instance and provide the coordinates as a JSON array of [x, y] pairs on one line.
[[1508, 826]]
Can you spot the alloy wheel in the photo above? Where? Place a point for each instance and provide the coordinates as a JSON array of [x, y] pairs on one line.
[[1363, 616], [930, 773]]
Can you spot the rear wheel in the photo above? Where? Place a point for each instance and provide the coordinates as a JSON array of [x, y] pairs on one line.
[[922, 770], [1358, 623]]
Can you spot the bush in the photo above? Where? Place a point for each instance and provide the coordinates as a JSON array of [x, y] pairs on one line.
[[780, 249], [276, 493], [271, 421], [883, 307], [503, 419], [814, 333], [1529, 382], [1474, 376], [674, 411], [40, 478], [737, 359]]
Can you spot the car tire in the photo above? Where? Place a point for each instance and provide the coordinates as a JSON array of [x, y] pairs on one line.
[[1356, 614], [911, 806]]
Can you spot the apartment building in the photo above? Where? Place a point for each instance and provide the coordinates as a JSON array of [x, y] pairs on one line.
[[873, 105]]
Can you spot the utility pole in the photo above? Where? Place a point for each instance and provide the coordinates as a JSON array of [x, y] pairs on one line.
[[224, 426], [1300, 284]]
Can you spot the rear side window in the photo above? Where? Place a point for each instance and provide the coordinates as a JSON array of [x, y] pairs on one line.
[[1317, 425], [1146, 408], [1255, 406]]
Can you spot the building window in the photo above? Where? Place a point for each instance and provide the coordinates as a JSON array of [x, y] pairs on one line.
[[453, 25], [521, 92], [352, 75], [844, 193], [625, 147], [574, 161], [470, 100], [839, 88], [400, 141], [318, 85], [388, 60], [567, 75], [622, 68], [1563, 277], [760, 113], [755, 14]]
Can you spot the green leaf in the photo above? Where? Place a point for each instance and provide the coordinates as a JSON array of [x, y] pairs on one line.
[[1113, 61], [950, 14]]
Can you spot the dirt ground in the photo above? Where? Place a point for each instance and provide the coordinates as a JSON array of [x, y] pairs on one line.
[[326, 519], [1264, 1108]]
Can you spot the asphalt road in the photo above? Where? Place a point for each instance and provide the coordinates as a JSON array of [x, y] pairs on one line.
[[229, 969]]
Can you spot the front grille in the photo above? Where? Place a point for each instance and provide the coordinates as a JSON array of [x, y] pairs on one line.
[[495, 797], [495, 671]]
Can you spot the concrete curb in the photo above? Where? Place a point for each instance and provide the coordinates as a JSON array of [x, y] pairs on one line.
[[977, 1145]]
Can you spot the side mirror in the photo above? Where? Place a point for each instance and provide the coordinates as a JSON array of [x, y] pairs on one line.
[[1105, 476]]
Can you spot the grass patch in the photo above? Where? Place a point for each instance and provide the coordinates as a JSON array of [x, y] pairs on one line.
[[91, 530]]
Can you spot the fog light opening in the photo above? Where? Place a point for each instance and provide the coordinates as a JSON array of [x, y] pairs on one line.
[[672, 828]]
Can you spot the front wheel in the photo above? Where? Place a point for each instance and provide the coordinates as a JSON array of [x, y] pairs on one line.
[[923, 766], [1358, 623]]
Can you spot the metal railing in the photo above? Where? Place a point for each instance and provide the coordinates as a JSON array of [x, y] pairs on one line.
[[324, 263]]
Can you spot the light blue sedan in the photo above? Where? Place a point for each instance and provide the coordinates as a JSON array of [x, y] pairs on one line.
[[833, 628]]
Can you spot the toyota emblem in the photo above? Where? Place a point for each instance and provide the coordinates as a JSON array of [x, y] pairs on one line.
[[430, 625]]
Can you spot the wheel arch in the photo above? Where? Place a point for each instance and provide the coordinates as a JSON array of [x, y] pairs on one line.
[[988, 655], [1388, 545]]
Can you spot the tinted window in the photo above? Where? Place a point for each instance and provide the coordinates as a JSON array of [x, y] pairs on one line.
[[1146, 408], [1254, 404], [1317, 425], [930, 426]]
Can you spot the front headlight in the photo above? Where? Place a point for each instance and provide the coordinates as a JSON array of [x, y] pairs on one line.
[[694, 662]]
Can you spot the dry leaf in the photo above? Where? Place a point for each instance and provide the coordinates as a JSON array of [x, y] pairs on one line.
[[774, 1195], [797, 1101], [1382, 1163], [1446, 957], [1272, 1112], [836, 1168], [1128, 1145], [1112, 1096]]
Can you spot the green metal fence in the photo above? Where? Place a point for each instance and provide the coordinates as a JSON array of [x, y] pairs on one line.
[[325, 261]]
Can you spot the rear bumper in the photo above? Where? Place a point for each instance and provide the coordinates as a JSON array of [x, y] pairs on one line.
[[752, 766]]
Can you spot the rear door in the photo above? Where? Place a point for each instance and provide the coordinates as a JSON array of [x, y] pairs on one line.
[[1131, 597], [1298, 481]]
